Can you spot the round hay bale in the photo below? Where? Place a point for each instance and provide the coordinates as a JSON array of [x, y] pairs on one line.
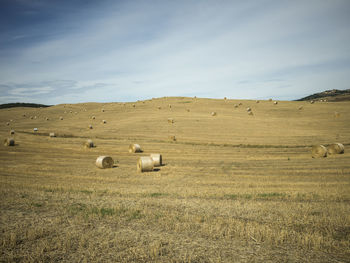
[[250, 113], [300, 107], [47, 118], [52, 134], [235, 105], [104, 121], [145, 164], [169, 106], [319, 151], [7, 123], [134, 105], [249, 109], [35, 117], [312, 102], [240, 104], [257, 101], [61, 118], [90, 127], [159, 107], [135, 148], [275, 102], [336, 114], [104, 162], [213, 113], [103, 110], [188, 110], [70, 111], [170, 120], [12, 132], [9, 142], [93, 117], [89, 144], [172, 138], [157, 159], [31, 117], [225, 98], [270, 99], [335, 148], [35, 129]]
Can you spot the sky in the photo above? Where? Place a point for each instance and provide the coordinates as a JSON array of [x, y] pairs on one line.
[[71, 51]]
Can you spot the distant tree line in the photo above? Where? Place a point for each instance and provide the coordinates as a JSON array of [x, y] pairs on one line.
[[21, 104], [327, 93]]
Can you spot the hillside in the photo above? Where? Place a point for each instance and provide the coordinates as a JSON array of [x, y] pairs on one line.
[[233, 188], [329, 95], [22, 104]]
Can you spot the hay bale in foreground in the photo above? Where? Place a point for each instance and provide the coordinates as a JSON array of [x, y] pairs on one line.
[[12, 132], [157, 159], [335, 148], [319, 151], [104, 121], [52, 134], [145, 164], [89, 144], [9, 142], [104, 162], [61, 118], [312, 102], [275, 102], [135, 148]]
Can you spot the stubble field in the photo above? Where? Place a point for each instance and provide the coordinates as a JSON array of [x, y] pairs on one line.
[[233, 188]]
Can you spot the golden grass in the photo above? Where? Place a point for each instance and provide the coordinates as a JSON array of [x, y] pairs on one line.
[[232, 188]]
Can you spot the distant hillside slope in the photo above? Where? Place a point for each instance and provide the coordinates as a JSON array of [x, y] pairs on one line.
[[329, 95], [20, 104]]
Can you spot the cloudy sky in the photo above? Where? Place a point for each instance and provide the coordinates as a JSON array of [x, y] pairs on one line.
[[57, 51]]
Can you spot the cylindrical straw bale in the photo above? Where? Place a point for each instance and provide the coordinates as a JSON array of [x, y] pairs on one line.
[[47, 118], [61, 118], [35, 129], [312, 102], [134, 105], [93, 117], [159, 108], [157, 159], [169, 106], [89, 144], [7, 123], [249, 109], [336, 114], [172, 138], [12, 132], [52, 134], [276, 102], [170, 120], [145, 164], [104, 121], [300, 107], [213, 113], [240, 104], [257, 101], [9, 142], [250, 113], [235, 105], [336, 148], [103, 110], [319, 151], [135, 148], [90, 126], [104, 162]]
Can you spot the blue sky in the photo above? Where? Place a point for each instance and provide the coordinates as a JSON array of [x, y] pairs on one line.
[[57, 51]]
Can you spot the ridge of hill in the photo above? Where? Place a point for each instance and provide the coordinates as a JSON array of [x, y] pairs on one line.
[[329, 95]]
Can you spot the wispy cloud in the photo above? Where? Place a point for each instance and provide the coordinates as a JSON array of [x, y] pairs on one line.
[[138, 49]]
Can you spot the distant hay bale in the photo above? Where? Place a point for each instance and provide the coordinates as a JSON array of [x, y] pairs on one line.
[[157, 159], [169, 106], [240, 104], [159, 107], [7, 123], [35, 117], [9, 142], [89, 144], [61, 118], [270, 99], [275, 102], [188, 110], [235, 105], [249, 109], [103, 110], [300, 107], [145, 164], [35, 129], [319, 151], [171, 120], [225, 98], [250, 113], [172, 138], [134, 105], [90, 127], [213, 113], [104, 162], [93, 117], [47, 118], [135, 148], [104, 121], [336, 114], [70, 111], [312, 102], [257, 101], [24, 115], [65, 112], [52, 134], [12, 132], [335, 148], [31, 117]]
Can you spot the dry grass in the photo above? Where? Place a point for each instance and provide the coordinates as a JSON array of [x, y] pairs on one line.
[[232, 188]]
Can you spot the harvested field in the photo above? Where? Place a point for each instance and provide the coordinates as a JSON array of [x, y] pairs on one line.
[[231, 188]]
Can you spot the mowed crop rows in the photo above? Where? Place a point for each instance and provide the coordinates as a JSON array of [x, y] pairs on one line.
[[233, 188]]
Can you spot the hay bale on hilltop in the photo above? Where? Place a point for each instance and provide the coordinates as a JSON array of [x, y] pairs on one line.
[[145, 164], [9, 142], [104, 162], [134, 105], [270, 99], [275, 102], [52, 134], [135, 148], [157, 159], [336, 148], [318, 151], [257, 101], [47, 118], [103, 110], [89, 144], [312, 102]]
